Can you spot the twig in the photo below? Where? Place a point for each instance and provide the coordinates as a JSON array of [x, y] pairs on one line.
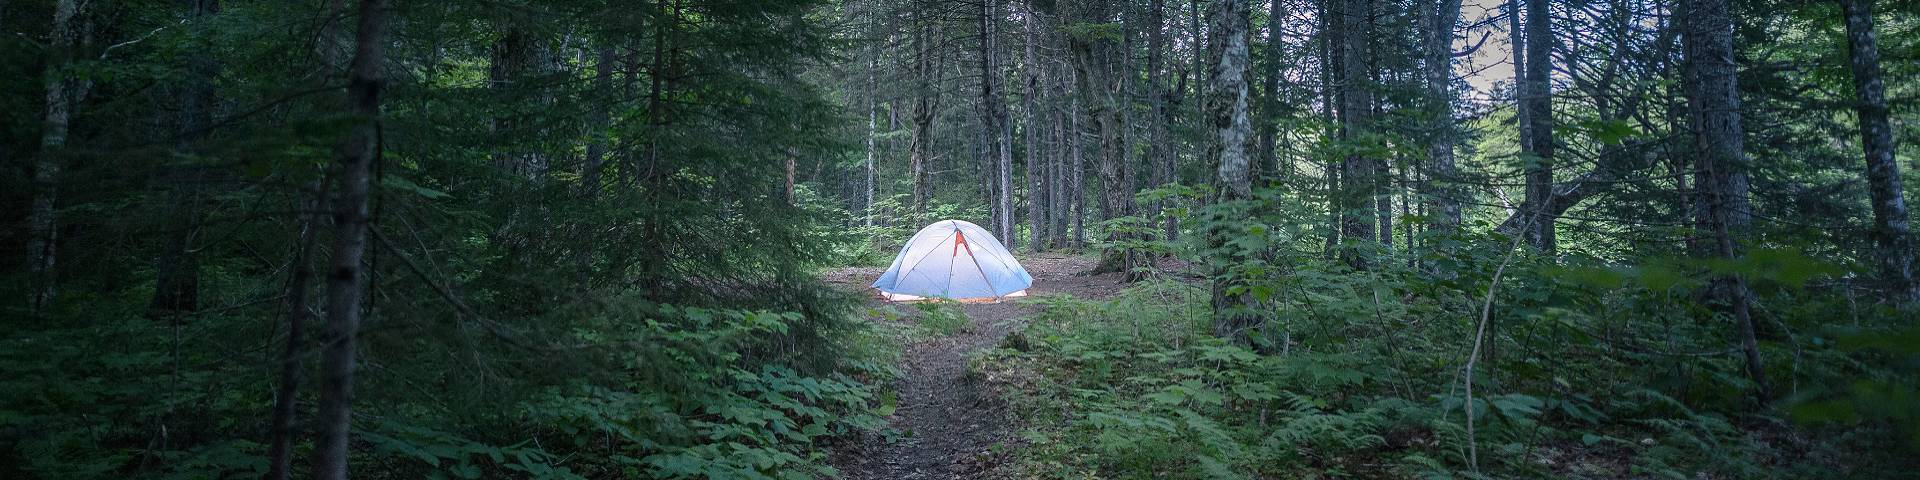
[[1480, 331], [142, 38]]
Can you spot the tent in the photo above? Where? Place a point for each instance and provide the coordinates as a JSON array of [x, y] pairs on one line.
[[956, 260]]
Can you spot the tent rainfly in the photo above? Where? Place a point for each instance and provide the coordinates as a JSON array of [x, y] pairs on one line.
[[956, 260]]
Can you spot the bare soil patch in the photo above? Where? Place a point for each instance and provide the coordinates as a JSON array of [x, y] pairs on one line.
[[950, 423]]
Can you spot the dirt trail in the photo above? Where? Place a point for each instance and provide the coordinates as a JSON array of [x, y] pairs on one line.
[[948, 421]]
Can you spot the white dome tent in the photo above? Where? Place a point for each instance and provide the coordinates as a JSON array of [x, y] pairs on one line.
[[956, 260]]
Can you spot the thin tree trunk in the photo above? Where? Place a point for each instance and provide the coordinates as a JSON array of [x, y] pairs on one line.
[[923, 111], [1891, 230], [1330, 97], [793, 164], [1076, 177], [1158, 143], [1441, 195], [286, 398], [873, 85], [598, 119], [1062, 200], [358, 152], [1270, 103], [1536, 98], [176, 286], [1000, 144], [1036, 186]]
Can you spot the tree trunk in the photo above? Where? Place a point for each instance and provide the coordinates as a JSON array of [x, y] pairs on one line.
[[176, 286], [1036, 174], [873, 86], [598, 121], [1076, 175], [1062, 198], [793, 164], [1891, 229], [1158, 144], [43, 220], [1720, 140], [1227, 118], [358, 152], [1330, 96], [286, 398], [1000, 130], [1359, 174], [514, 59], [923, 110], [1536, 98], [1094, 76], [1442, 196], [1270, 103]]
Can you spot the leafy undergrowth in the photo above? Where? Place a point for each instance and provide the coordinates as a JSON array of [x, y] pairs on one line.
[[1591, 372], [617, 388]]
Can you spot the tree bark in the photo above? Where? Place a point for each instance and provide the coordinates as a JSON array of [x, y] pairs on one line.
[[1227, 118], [1442, 196], [518, 56], [598, 121], [923, 111], [873, 86], [1093, 67], [1890, 227], [1330, 96], [1721, 145], [1036, 174], [176, 286], [1536, 98], [358, 152], [43, 220], [1001, 131], [1270, 104], [286, 398], [1063, 157], [1159, 146], [1076, 175], [1360, 173]]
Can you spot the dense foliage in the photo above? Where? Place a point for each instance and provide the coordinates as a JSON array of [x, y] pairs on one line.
[[583, 260]]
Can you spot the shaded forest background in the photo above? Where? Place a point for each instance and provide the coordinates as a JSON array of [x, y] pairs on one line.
[[579, 238]]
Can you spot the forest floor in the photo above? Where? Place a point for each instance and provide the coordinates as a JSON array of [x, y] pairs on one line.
[[951, 422]]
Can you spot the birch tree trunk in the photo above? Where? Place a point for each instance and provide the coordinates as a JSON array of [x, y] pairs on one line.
[[358, 152], [1891, 230], [1228, 122]]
